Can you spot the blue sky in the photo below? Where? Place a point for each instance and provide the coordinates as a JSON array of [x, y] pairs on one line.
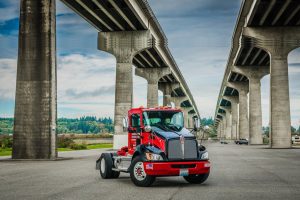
[[199, 34]]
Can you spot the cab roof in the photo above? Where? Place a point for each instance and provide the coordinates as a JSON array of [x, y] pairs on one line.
[[160, 108]]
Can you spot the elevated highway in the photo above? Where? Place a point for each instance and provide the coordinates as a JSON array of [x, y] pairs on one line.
[[265, 33], [129, 30]]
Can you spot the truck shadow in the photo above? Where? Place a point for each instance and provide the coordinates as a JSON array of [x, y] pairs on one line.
[[165, 182]]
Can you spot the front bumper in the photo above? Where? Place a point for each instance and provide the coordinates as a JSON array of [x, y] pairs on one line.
[[174, 168]]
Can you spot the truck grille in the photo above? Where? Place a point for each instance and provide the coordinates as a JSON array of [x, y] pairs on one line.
[[175, 149]]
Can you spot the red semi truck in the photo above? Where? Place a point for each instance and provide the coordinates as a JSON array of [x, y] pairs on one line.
[[158, 145]]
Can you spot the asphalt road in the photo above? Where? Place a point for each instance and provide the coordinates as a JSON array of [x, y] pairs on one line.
[[238, 172]]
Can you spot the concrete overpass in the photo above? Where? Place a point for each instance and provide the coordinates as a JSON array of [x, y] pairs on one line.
[[265, 33], [128, 29]]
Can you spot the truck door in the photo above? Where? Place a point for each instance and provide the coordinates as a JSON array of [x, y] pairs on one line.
[[134, 130]]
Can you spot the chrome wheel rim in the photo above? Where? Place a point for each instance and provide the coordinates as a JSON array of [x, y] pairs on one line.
[[102, 165], [139, 172]]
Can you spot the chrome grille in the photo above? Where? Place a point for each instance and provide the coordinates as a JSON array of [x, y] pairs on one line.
[[175, 149]]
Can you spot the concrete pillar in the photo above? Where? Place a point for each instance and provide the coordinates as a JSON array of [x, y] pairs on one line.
[[167, 89], [186, 114], [222, 126], [123, 45], [152, 75], [280, 101], [228, 121], [278, 42], [223, 132], [234, 115], [219, 131], [191, 120], [242, 88], [254, 74], [185, 110], [35, 107]]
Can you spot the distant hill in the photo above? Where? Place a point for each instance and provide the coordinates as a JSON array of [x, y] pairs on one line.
[[86, 124]]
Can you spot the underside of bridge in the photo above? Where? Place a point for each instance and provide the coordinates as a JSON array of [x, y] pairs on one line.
[[128, 29], [266, 31]]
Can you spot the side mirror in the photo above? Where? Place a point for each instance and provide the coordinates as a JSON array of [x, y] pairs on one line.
[[148, 129], [196, 124], [125, 124]]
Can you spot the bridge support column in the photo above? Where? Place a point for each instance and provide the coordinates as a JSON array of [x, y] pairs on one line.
[[219, 131], [186, 114], [278, 42], [123, 45], [234, 115], [167, 89], [152, 75], [242, 88], [228, 121], [254, 74], [178, 101], [35, 107], [223, 127]]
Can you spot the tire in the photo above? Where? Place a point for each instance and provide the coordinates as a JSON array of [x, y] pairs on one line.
[[115, 174], [138, 175], [196, 178], [106, 165]]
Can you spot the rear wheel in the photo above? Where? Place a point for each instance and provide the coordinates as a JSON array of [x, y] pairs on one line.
[[196, 178], [106, 165], [138, 175]]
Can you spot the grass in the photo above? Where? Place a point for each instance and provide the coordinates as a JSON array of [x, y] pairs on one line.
[[64, 149], [99, 146], [7, 151]]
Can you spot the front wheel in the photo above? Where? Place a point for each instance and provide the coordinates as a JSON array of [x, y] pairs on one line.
[[106, 165], [138, 175], [196, 178]]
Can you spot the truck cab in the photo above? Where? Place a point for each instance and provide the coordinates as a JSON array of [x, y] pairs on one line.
[[158, 145]]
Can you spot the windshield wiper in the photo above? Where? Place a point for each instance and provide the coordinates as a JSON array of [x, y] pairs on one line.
[[162, 126]]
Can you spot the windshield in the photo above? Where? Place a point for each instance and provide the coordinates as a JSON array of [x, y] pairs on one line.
[[164, 119]]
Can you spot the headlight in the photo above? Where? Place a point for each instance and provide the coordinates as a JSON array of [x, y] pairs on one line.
[[152, 156], [204, 156]]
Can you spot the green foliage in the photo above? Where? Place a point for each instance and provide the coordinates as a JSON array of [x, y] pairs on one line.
[[68, 143], [85, 125], [266, 131], [207, 121], [265, 140], [75, 146], [64, 142], [5, 152], [99, 146], [6, 142], [6, 126]]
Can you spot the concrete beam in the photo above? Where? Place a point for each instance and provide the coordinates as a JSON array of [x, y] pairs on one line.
[[35, 108], [152, 75], [123, 45]]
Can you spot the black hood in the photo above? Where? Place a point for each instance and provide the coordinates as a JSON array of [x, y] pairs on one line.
[[168, 134]]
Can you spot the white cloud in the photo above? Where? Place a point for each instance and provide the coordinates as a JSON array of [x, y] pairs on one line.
[[11, 10], [7, 78]]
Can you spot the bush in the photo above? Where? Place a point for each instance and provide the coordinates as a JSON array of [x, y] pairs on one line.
[[64, 142], [266, 140], [6, 142], [78, 146]]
